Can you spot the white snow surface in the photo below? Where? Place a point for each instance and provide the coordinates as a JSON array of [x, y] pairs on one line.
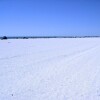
[[50, 69]]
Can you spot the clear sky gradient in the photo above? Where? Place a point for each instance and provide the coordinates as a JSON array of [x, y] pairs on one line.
[[49, 17]]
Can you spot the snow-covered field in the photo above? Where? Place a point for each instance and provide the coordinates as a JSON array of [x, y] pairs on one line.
[[50, 69]]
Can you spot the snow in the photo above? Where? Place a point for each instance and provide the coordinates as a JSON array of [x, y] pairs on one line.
[[50, 69]]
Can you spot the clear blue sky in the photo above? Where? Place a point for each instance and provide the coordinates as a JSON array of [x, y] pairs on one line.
[[49, 17]]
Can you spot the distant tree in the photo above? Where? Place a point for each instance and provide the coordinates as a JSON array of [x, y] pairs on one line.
[[4, 38], [25, 37]]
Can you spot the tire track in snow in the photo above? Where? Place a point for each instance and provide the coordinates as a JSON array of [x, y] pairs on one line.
[[80, 69], [78, 73], [60, 64], [62, 57]]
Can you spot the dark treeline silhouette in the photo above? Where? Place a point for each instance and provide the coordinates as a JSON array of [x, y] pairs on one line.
[[4, 38], [36, 37]]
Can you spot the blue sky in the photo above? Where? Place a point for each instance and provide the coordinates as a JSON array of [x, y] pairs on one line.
[[49, 17]]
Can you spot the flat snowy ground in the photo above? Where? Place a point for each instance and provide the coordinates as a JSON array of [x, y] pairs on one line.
[[50, 69]]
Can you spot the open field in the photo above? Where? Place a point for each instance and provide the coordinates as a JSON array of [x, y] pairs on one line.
[[50, 69]]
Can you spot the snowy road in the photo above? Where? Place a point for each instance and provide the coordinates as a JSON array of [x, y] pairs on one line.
[[50, 69]]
